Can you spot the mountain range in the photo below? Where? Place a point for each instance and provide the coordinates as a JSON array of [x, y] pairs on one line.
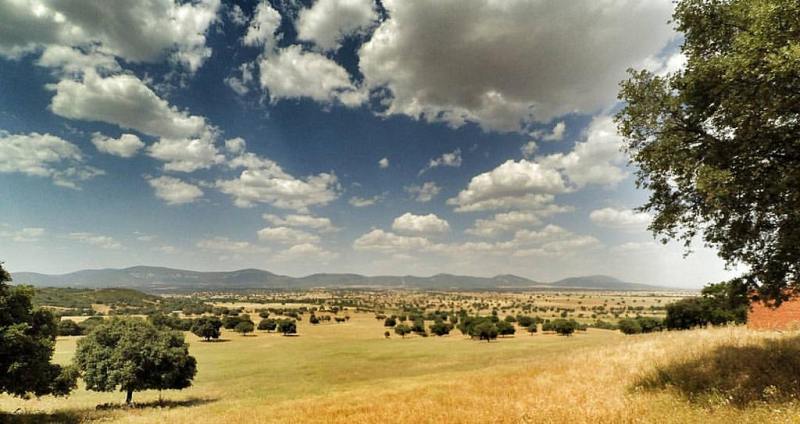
[[160, 279]]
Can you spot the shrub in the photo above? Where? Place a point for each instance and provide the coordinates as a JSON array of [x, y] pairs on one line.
[[564, 327], [68, 327]]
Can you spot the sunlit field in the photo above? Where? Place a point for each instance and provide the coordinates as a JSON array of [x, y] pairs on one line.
[[350, 372]]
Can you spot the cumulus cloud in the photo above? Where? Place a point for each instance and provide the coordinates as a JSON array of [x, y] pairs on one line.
[[623, 219], [126, 146], [241, 85], [556, 134], [452, 159], [362, 202], [316, 223], [277, 188], [529, 149], [328, 22], [123, 100], [174, 191], [137, 31], [293, 73], [72, 61], [186, 154], [598, 160], [387, 242], [286, 235], [261, 31], [424, 193], [44, 155], [513, 184], [429, 224], [98, 240], [305, 251], [505, 64], [502, 223], [383, 163]]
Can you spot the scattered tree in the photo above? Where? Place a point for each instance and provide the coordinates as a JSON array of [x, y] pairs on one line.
[[207, 328], [287, 326], [132, 354], [267, 324], [402, 330], [68, 327], [244, 328]]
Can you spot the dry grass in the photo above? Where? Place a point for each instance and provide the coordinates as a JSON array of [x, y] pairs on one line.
[[348, 374]]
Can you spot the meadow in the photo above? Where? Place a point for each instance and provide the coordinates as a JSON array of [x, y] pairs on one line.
[[350, 373]]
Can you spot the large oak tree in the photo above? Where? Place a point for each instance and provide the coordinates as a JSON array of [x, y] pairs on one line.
[[718, 142]]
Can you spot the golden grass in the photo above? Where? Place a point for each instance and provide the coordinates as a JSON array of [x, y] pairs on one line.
[[348, 373]]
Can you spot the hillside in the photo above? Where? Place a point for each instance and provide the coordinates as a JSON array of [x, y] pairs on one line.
[[160, 279]]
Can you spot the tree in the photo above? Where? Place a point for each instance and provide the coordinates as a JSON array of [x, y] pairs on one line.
[[532, 328], [27, 341], [244, 327], [484, 330], [629, 326], [389, 322], [564, 327], [68, 327], [440, 328], [402, 330], [313, 319], [717, 142], [267, 324], [207, 328], [718, 304], [386, 334], [132, 354], [505, 328], [287, 326]]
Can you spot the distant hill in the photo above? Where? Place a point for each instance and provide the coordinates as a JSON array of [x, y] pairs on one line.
[[160, 279], [602, 281]]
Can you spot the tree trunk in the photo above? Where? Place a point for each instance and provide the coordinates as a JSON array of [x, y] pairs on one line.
[[129, 397]]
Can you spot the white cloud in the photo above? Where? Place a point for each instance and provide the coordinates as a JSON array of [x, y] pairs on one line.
[[624, 219], [292, 73], [275, 187], [381, 241], [186, 154], [452, 159], [529, 149], [362, 202], [235, 146], [317, 223], [598, 160], [429, 224], [174, 191], [241, 85], [237, 16], [513, 184], [261, 31], [138, 31], [23, 235], [503, 223], [126, 101], [503, 64], [305, 251], [555, 135], [328, 22], [126, 146], [224, 244], [383, 163], [98, 240], [69, 60], [44, 155], [286, 235], [424, 193]]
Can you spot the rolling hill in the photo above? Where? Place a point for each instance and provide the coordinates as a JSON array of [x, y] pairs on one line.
[[160, 279]]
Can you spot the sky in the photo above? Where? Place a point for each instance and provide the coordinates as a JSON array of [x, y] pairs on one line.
[[376, 137]]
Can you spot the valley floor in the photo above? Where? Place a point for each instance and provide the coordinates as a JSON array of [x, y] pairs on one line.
[[349, 373]]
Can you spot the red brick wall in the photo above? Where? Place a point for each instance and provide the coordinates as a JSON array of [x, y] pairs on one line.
[[785, 317]]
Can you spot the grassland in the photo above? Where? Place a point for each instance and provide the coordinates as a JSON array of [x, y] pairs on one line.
[[349, 373]]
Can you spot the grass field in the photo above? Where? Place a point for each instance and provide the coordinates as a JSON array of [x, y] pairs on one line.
[[350, 373]]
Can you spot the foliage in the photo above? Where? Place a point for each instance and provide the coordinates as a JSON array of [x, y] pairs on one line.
[[267, 324], [27, 340], [244, 327], [207, 328], [440, 328], [402, 329], [718, 304], [718, 143], [287, 326], [390, 322], [68, 327], [505, 328], [564, 327], [132, 354]]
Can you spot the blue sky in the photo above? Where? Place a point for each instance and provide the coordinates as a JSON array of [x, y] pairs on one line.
[[329, 136]]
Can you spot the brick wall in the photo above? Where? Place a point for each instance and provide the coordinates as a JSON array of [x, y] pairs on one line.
[[785, 317]]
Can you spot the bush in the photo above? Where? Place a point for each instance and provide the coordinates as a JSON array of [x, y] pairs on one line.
[[390, 322], [244, 327], [68, 327], [267, 324], [564, 327], [505, 328], [402, 330], [440, 328], [629, 326]]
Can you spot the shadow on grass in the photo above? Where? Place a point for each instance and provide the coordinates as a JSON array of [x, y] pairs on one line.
[[215, 341], [736, 375], [100, 413]]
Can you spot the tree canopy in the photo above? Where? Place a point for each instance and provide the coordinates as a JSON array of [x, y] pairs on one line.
[[132, 354], [718, 142], [27, 340]]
